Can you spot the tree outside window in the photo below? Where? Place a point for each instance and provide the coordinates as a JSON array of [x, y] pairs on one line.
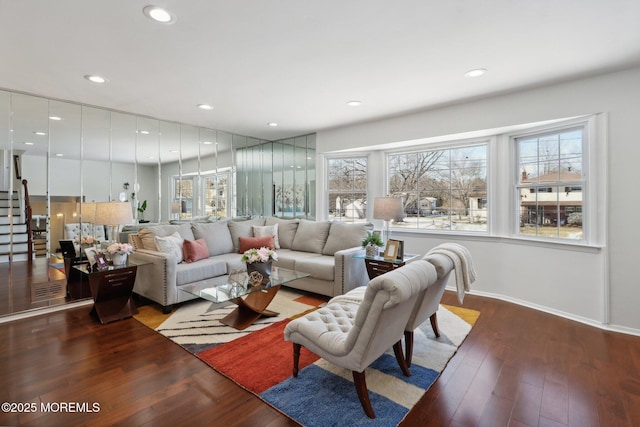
[[442, 189], [347, 185]]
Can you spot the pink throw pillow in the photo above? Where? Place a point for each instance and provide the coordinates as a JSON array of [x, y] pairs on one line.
[[247, 243], [195, 250]]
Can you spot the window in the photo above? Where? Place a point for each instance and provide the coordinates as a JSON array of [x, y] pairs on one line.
[[442, 189], [551, 184], [347, 189], [182, 205], [216, 194]]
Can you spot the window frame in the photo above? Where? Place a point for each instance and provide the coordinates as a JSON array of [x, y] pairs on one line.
[[487, 141], [594, 158], [327, 191]]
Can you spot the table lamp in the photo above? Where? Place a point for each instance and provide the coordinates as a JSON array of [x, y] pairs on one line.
[[88, 215], [387, 208], [113, 214]]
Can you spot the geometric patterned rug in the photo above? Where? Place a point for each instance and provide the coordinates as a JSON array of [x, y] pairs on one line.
[[259, 360]]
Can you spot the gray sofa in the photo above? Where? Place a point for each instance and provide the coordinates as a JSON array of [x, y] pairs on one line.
[[323, 249]]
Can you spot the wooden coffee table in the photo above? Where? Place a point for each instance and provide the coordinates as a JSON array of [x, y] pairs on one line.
[[252, 301]]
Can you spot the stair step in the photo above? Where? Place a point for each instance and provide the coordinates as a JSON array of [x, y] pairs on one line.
[[5, 211], [16, 247], [4, 220], [17, 228], [17, 237], [4, 258]]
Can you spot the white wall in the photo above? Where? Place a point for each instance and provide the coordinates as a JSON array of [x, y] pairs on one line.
[[598, 286]]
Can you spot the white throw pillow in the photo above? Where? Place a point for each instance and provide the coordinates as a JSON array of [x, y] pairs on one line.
[[266, 231], [171, 245]]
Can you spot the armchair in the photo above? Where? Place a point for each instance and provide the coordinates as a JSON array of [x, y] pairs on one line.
[[352, 335]]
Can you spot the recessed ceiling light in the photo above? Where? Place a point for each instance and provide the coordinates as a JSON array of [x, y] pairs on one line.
[[40, 133], [144, 132], [354, 103], [173, 151], [59, 155], [28, 143], [159, 14], [207, 142], [95, 78], [475, 73], [272, 124], [56, 118], [205, 107], [150, 157]]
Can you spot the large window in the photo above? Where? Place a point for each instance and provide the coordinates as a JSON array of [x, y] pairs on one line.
[[216, 194], [182, 203], [347, 189], [551, 184], [442, 189]]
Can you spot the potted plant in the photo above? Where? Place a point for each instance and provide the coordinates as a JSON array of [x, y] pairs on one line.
[[371, 243], [141, 209]]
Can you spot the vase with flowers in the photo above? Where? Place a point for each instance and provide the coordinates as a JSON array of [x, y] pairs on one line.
[[260, 260], [119, 252], [85, 242]]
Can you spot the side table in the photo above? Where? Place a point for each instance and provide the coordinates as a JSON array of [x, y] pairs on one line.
[[377, 265], [111, 290]]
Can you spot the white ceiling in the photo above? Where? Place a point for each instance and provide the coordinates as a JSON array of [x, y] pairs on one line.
[[297, 62]]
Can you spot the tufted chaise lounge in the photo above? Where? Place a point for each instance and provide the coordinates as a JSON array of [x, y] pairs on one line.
[[352, 335]]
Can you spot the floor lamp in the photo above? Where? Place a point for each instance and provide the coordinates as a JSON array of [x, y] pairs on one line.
[[387, 208], [113, 214]]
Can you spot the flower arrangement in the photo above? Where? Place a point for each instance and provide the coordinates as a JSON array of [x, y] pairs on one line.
[[86, 240], [120, 248], [263, 254]]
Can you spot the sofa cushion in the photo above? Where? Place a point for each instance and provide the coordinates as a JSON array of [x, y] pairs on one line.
[[216, 234], [286, 230], [195, 250], [267, 230], [201, 270], [344, 236], [147, 235], [311, 236], [242, 229], [171, 245], [319, 267], [247, 243]]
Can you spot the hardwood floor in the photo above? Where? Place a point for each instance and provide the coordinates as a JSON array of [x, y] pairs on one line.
[[518, 367]]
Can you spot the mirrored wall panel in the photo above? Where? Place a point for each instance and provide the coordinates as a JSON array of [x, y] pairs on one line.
[[61, 158]]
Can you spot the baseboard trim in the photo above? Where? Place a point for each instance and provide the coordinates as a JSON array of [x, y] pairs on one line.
[[560, 313], [47, 310]]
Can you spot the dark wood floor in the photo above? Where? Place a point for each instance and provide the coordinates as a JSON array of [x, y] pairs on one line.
[[518, 367]]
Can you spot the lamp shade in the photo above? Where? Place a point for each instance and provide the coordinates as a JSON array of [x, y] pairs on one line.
[[88, 212], [113, 213], [388, 208]]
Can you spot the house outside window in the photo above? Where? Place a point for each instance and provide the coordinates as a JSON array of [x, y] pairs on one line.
[[551, 184], [347, 189], [443, 189]]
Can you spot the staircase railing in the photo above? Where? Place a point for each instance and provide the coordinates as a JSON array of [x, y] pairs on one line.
[[28, 214]]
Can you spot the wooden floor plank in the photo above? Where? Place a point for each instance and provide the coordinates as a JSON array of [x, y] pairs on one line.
[[518, 367]]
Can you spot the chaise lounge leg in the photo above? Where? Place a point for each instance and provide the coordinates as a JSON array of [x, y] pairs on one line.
[[408, 347], [166, 309], [296, 358], [363, 393], [397, 350], [434, 324]]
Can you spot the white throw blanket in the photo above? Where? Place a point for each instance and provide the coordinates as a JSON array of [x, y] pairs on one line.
[[463, 264]]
